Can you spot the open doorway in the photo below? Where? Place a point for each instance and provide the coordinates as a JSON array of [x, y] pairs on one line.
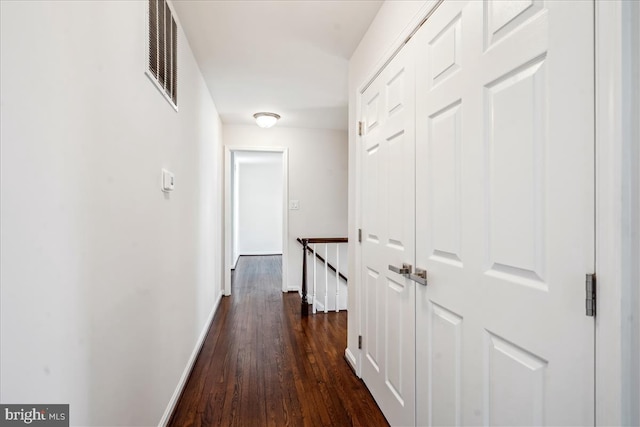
[[256, 220], [256, 211]]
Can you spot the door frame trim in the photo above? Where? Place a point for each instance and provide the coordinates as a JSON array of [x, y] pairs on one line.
[[228, 253], [617, 381]]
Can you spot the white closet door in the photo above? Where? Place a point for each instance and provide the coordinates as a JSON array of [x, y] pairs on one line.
[[505, 213], [387, 153]]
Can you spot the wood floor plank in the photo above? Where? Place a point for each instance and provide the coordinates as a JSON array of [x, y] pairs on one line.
[[263, 365]]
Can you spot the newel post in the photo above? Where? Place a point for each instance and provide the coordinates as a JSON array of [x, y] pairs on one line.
[[304, 311]]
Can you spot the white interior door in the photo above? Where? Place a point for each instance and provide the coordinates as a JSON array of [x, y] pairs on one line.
[[505, 213], [389, 239]]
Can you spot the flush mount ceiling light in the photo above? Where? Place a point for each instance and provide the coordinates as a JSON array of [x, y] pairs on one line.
[[266, 120]]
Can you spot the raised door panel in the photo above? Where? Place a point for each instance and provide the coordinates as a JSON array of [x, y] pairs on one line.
[[514, 392], [515, 111], [371, 193], [445, 51], [398, 197], [396, 344], [372, 322], [444, 169], [504, 17], [444, 367]]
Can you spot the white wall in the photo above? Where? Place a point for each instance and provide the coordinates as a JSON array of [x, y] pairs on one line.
[[317, 179], [259, 209], [393, 23], [106, 282]]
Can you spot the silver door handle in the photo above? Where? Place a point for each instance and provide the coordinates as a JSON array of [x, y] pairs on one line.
[[405, 270], [419, 276]]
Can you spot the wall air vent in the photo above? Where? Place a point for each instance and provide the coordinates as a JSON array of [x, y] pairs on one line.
[[163, 50]]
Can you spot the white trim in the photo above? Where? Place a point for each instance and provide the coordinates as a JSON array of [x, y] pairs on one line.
[[258, 253], [350, 358], [616, 247], [228, 250], [608, 249], [228, 261], [160, 89], [285, 219], [187, 370], [421, 18]]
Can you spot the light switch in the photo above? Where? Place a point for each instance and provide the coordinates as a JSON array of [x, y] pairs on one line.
[[294, 205], [168, 181]]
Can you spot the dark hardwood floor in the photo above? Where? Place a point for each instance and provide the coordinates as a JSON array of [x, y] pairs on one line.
[[262, 365]]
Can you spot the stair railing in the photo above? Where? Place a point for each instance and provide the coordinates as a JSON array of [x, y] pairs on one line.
[[327, 266]]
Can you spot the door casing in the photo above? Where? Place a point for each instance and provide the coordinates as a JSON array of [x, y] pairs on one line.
[[228, 257]]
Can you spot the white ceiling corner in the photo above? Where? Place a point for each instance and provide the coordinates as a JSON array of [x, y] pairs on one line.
[[289, 57]]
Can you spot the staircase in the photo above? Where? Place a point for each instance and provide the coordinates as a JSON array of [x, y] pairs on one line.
[[324, 284]]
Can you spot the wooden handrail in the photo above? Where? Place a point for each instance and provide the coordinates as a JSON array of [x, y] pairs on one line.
[[320, 257], [326, 240]]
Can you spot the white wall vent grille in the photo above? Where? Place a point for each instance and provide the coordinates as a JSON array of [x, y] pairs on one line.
[[163, 52]]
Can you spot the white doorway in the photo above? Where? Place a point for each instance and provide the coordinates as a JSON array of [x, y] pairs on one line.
[[256, 218]]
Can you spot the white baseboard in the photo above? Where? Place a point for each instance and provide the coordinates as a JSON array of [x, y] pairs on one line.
[[187, 370], [351, 360], [254, 253], [293, 288], [320, 306]]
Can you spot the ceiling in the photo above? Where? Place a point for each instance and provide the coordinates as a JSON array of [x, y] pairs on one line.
[[287, 57]]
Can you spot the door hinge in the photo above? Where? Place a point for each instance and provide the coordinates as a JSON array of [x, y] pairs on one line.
[[359, 235], [360, 342], [360, 128], [591, 295]]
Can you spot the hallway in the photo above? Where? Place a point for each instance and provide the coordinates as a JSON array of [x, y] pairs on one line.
[[262, 365]]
